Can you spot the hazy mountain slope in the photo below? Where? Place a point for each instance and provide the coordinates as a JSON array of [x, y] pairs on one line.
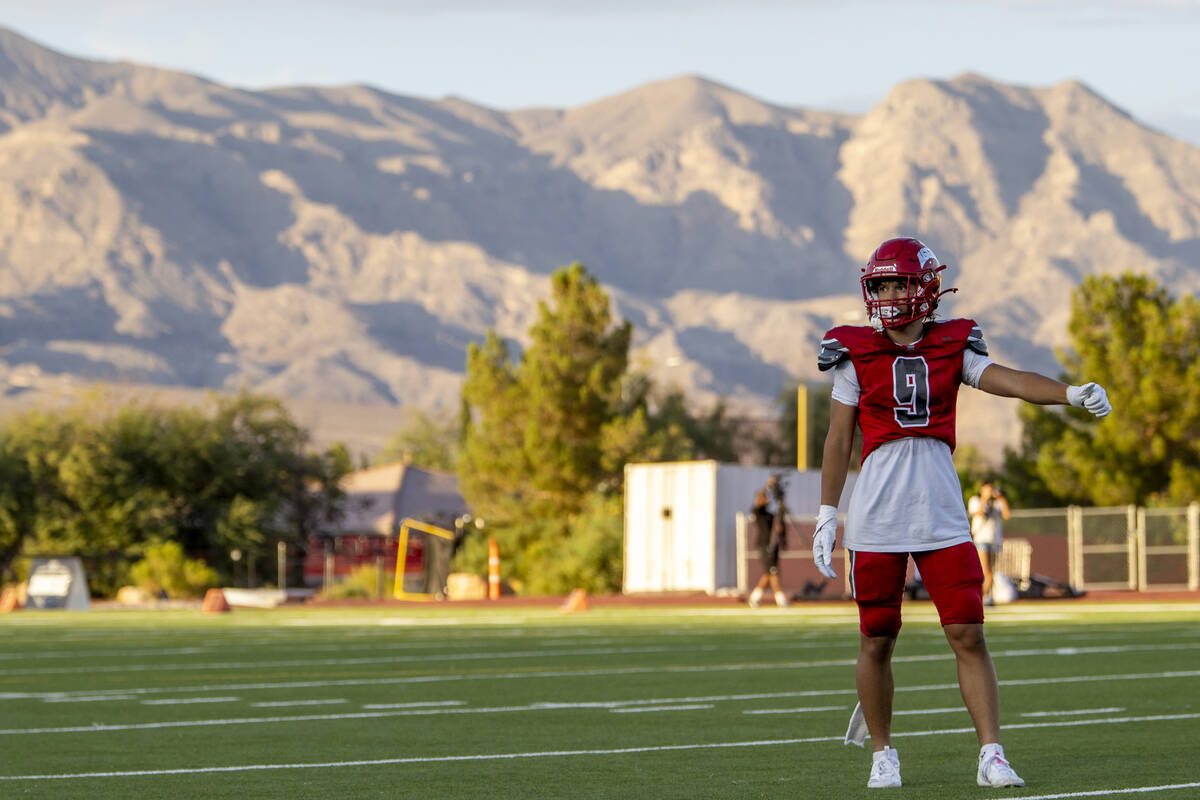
[[345, 244]]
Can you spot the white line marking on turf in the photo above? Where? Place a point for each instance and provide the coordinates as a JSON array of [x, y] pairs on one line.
[[287, 703], [75, 654], [950, 710], [341, 662], [692, 707], [1108, 792], [1114, 710], [182, 701], [567, 674], [87, 698], [416, 705], [476, 656], [563, 753], [423, 760], [794, 710]]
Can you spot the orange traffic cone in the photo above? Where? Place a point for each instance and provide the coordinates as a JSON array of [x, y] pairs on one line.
[[576, 601], [214, 602], [9, 600], [493, 568]]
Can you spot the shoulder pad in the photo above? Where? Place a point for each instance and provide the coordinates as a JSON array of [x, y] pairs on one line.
[[832, 352], [975, 339]]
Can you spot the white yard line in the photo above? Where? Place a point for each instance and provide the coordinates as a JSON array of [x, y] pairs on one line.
[[184, 701], [607, 752], [645, 709], [794, 710], [377, 706], [339, 662], [289, 703], [542, 653], [73, 654], [424, 760], [1169, 787], [579, 673], [290, 644], [97, 727], [1114, 710], [88, 698]]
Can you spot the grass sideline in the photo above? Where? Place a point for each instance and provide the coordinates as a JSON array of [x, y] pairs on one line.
[[439, 701]]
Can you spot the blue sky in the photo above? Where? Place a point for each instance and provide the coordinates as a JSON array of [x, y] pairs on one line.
[[511, 54]]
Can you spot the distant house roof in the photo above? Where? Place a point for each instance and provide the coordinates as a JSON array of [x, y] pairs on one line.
[[378, 499]]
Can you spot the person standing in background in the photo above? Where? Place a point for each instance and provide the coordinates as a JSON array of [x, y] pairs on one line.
[[988, 510], [770, 525]]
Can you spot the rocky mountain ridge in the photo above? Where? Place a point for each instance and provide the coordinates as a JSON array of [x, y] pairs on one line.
[[343, 245]]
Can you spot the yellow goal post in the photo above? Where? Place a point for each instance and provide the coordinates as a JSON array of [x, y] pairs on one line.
[[407, 525]]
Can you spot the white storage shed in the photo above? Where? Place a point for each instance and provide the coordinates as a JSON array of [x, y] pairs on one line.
[[680, 520]]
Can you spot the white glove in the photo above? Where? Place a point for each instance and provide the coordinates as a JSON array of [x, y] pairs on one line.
[[823, 540], [1090, 396]]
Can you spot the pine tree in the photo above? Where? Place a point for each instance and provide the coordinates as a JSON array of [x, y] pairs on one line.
[[535, 440], [1128, 334]]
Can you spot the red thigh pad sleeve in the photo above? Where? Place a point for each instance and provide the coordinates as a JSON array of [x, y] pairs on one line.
[[878, 589], [954, 579]]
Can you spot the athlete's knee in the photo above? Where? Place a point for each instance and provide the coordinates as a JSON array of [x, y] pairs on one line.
[[879, 620], [876, 649], [966, 637]]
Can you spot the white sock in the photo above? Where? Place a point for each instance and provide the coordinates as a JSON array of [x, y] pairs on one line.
[[756, 595], [992, 748], [781, 599]]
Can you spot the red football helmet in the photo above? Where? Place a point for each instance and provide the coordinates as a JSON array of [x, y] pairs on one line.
[[908, 260]]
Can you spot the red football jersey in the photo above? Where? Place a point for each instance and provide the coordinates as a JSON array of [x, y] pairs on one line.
[[906, 390]]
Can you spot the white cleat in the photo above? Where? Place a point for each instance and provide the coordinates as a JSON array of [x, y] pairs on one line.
[[994, 771], [781, 600], [885, 771]]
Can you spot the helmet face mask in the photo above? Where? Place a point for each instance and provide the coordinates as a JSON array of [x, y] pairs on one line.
[[910, 263]]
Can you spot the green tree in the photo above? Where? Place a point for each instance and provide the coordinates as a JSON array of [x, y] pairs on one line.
[[493, 468], [426, 440], [546, 438], [1128, 334], [542, 431], [19, 500], [685, 435], [104, 481], [780, 448]]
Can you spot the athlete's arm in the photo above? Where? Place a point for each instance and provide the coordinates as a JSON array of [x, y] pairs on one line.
[[1032, 387], [839, 441]]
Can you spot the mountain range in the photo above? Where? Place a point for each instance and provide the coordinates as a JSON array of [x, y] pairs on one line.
[[341, 246]]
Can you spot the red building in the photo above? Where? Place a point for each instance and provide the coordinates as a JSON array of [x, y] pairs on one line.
[[378, 500]]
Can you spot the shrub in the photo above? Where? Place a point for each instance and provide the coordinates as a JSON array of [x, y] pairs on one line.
[[362, 582], [165, 570], [554, 556]]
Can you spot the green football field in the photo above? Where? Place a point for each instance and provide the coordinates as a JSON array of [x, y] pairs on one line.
[[437, 701]]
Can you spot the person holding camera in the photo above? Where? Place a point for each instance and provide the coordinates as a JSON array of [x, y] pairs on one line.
[[770, 524], [987, 511]]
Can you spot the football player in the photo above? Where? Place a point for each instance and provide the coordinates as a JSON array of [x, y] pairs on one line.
[[898, 380]]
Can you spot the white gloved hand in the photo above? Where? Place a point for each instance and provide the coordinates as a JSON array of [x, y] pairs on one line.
[[824, 538], [1090, 396]]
